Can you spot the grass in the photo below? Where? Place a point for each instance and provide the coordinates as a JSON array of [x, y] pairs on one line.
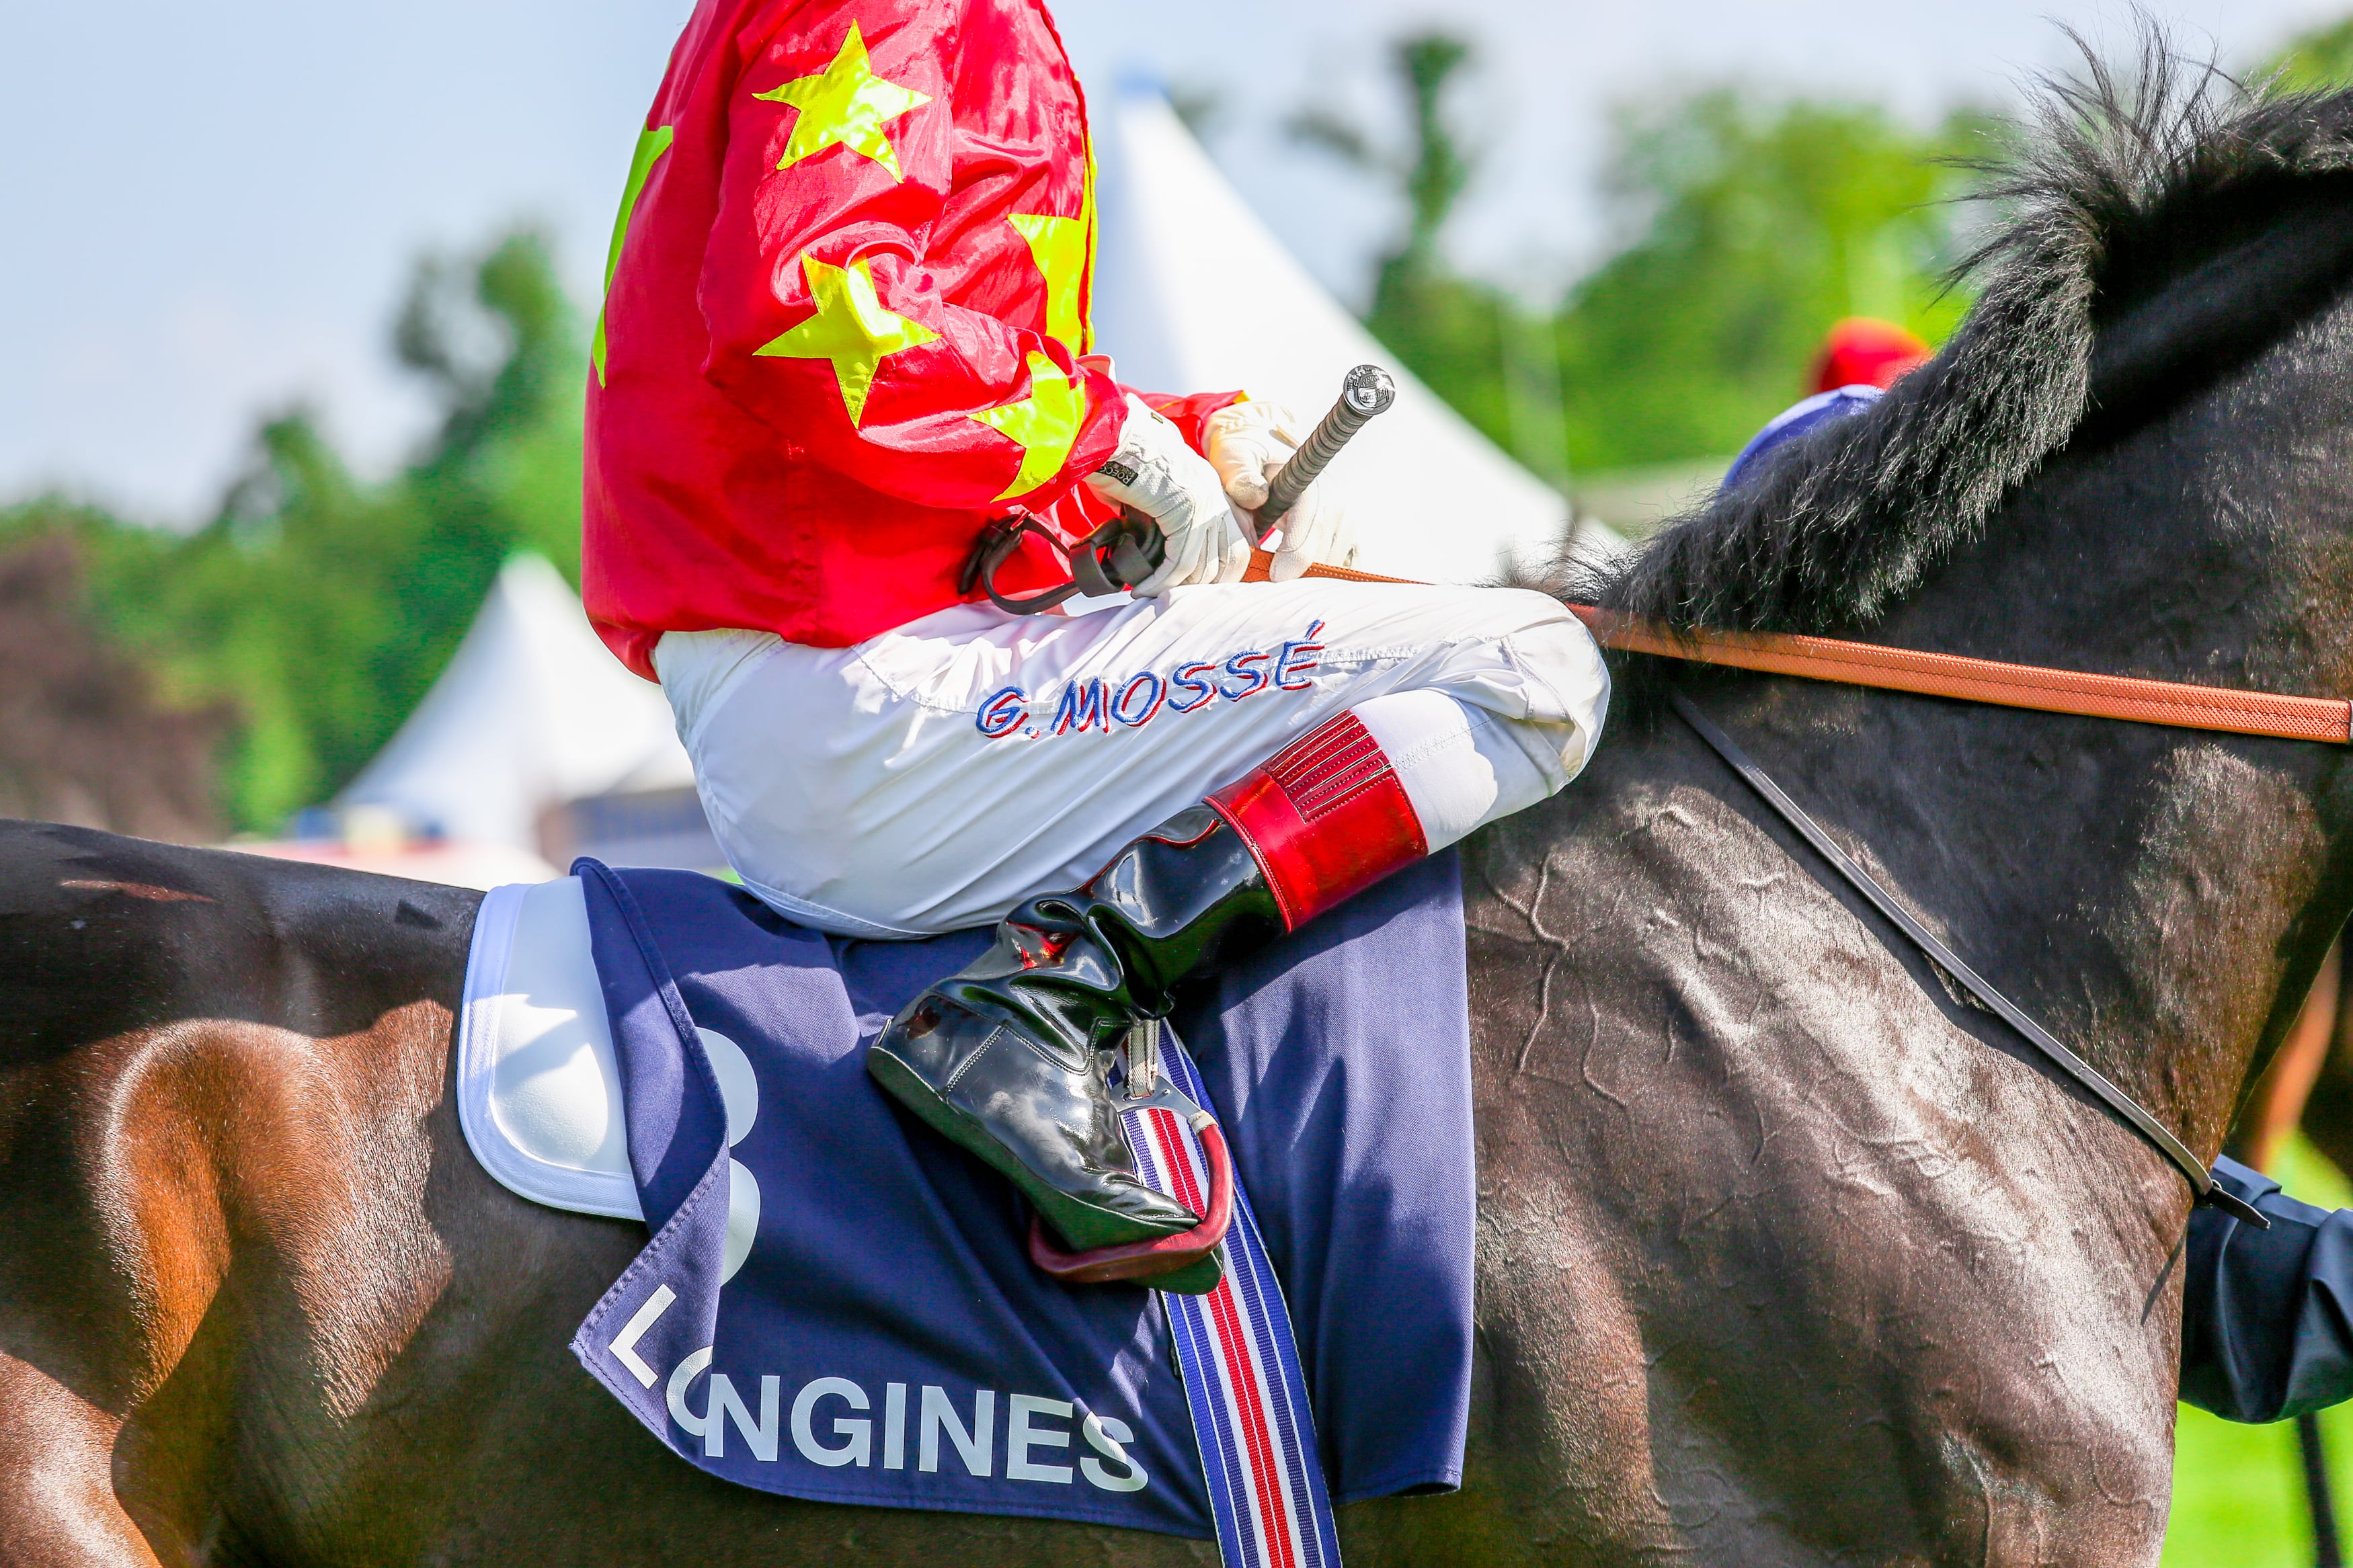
[[2238, 1491]]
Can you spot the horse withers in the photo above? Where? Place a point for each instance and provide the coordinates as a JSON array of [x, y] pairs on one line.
[[1787, 1254]]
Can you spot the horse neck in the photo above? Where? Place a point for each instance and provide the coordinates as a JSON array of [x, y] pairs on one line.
[[2159, 897]]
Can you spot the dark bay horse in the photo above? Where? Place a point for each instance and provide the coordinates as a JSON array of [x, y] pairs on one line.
[[1787, 1255]]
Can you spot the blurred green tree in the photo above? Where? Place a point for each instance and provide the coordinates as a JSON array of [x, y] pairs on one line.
[[1451, 331], [1754, 225], [2320, 61], [322, 607], [1749, 225]]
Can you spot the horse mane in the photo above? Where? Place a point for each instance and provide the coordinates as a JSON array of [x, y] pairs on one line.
[[2125, 186]]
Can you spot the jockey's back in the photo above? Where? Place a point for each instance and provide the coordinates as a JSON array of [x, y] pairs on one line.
[[920, 174]]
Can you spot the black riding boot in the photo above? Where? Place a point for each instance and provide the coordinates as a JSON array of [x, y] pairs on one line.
[[1011, 1057]]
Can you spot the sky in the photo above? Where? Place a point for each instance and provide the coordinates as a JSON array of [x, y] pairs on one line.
[[213, 208]]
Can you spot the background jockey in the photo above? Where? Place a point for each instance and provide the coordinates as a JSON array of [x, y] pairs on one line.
[[1860, 358], [846, 327]]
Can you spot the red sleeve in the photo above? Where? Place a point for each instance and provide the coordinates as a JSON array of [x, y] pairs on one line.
[[828, 319], [1191, 414]]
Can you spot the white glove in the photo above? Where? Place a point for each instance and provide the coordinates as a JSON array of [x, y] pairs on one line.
[[1158, 475], [1249, 443]]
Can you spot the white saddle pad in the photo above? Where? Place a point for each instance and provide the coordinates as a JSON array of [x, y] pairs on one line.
[[539, 1093]]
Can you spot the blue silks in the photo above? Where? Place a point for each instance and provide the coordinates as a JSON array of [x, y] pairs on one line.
[[885, 1339], [2267, 1315], [1807, 413]]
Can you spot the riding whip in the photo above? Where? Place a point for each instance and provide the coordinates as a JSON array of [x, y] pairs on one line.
[[1365, 390], [1128, 548]]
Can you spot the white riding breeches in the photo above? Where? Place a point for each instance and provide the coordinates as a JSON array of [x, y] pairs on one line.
[[934, 776]]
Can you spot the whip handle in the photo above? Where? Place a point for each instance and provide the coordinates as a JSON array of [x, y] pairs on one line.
[[1366, 391]]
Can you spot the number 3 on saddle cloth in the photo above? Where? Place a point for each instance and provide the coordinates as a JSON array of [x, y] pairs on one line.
[[837, 1304]]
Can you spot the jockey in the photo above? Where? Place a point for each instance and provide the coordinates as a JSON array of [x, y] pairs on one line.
[[845, 328], [1861, 357], [1864, 351]]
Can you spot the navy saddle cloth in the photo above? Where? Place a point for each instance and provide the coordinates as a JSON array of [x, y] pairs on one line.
[[885, 1341]]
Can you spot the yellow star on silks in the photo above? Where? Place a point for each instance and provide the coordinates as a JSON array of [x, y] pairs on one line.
[[1058, 246], [1045, 423], [852, 328], [844, 105]]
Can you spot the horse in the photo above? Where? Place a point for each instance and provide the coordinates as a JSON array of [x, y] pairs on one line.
[[1787, 1253]]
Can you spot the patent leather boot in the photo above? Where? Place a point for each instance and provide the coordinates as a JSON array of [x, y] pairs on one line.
[[1011, 1057]]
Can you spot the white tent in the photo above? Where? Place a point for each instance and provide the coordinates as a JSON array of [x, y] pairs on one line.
[[531, 714], [1193, 294]]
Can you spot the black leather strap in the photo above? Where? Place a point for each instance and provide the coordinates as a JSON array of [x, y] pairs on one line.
[[1113, 559], [997, 544], [2122, 1106]]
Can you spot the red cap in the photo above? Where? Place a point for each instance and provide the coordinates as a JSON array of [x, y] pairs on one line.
[[1865, 351]]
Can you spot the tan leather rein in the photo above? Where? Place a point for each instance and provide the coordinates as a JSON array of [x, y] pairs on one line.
[[2170, 702]]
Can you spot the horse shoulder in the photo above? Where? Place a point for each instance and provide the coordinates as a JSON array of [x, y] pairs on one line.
[[1733, 1167], [218, 1073]]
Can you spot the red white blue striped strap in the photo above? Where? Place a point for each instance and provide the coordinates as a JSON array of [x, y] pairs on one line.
[[1240, 1365]]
